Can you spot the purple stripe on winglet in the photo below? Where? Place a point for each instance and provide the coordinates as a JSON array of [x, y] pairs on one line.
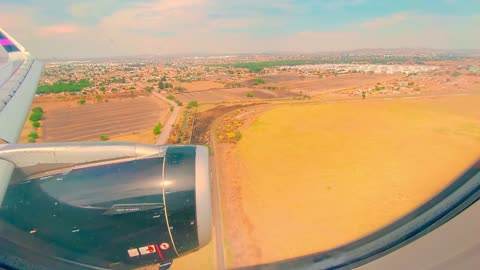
[[5, 42]]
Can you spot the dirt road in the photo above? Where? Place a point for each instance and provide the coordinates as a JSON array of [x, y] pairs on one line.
[[167, 128]]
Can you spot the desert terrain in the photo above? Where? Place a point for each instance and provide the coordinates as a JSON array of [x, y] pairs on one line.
[[308, 178]]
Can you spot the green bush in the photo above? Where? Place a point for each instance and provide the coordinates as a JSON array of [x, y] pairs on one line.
[[104, 138], [249, 94], [149, 89], [33, 135], [36, 116], [82, 101], [37, 110], [157, 129], [192, 104], [36, 124], [238, 136], [259, 81], [179, 103], [170, 97], [180, 89]]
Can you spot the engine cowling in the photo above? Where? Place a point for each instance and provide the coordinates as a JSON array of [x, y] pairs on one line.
[[113, 214]]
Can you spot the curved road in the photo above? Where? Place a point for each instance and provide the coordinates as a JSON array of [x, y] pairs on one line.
[[167, 128]]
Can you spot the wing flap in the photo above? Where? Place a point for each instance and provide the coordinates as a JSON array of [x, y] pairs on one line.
[[17, 107]]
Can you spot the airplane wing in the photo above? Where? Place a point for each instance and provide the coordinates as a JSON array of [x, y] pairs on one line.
[[18, 82]]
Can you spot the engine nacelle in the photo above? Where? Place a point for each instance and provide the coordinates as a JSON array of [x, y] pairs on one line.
[[118, 214]]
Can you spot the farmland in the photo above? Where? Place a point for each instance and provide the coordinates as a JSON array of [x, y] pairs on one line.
[[343, 171], [66, 122]]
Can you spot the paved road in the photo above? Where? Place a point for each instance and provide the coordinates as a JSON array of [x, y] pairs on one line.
[[167, 128], [216, 202]]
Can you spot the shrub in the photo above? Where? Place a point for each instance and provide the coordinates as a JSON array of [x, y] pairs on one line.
[[180, 89], [157, 129], [179, 103], [249, 94], [104, 138], [170, 97], [36, 116], [192, 104], [259, 81], [456, 74], [149, 89], [37, 110], [33, 135], [36, 124], [172, 108], [82, 101]]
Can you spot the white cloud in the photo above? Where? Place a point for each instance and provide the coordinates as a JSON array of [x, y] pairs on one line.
[[384, 21]]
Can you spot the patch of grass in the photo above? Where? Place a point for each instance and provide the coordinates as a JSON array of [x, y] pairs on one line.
[[456, 74], [64, 86], [157, 129], [192, 104], [259, 81]]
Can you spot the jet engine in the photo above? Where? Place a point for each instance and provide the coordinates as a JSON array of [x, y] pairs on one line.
[[114, 205]]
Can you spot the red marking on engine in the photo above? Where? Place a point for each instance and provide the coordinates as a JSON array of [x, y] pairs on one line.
[[159, 252]]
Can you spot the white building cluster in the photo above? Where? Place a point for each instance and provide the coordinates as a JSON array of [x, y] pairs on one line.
[[346, 68]]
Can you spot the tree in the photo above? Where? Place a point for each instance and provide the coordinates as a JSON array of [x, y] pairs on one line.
[[149, 89], [36, 124], [33, 135], [192, 104], [37, 110], [259, 81], [104, 138], [36, 116], [180, 89], [157, 129]]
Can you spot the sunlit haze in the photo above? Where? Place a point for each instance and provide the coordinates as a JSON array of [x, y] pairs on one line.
[[76, 29]]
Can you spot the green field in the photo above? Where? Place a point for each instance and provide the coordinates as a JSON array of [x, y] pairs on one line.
[[63, 86]]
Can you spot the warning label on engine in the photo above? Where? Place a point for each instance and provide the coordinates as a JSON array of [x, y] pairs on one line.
[[147, 250], [133, 252]]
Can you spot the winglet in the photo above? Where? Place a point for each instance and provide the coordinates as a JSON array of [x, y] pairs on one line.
[[10, 44]]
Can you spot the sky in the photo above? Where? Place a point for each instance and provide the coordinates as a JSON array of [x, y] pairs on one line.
[[100, 28]]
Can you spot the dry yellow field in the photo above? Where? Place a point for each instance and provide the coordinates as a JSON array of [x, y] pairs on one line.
[[308, 178]]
